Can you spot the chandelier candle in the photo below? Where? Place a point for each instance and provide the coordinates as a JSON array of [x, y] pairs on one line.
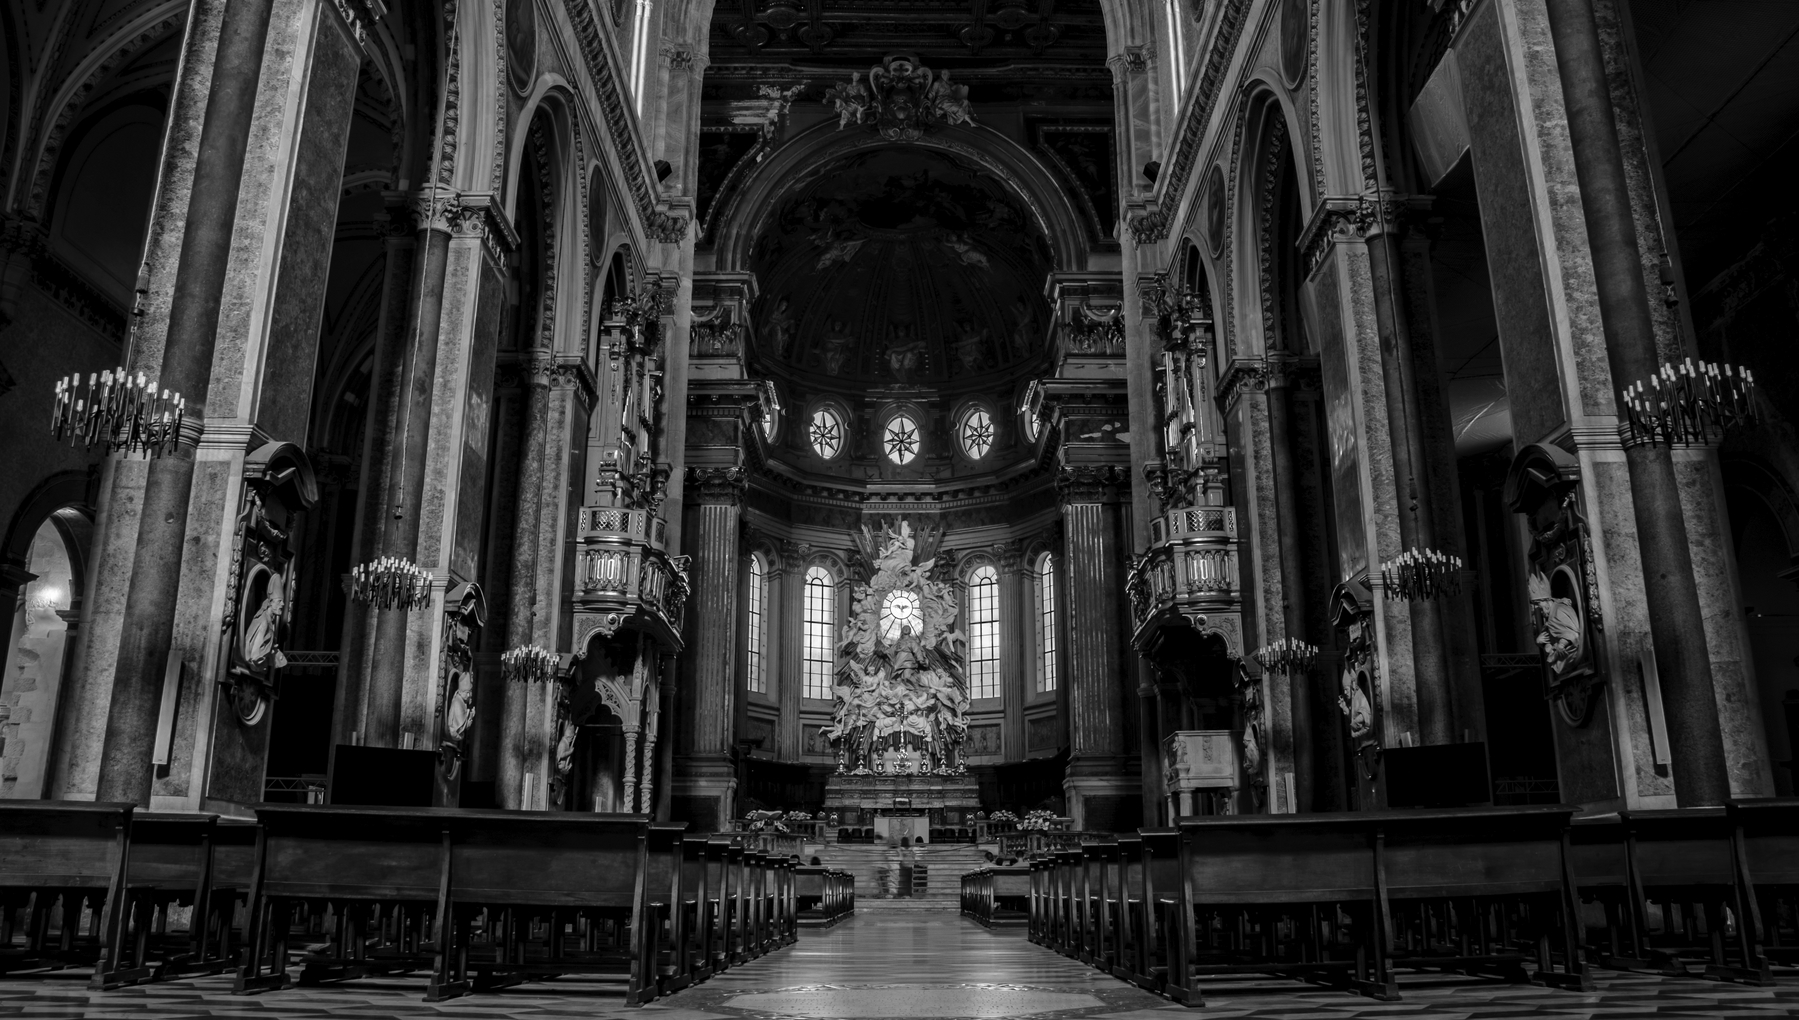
[[390, 583], [1418, 575], [1692, 402], [1286, 654], [117, 411], [529, 664]]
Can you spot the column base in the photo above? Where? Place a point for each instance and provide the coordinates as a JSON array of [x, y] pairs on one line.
[[1104, 793], [703, 791]]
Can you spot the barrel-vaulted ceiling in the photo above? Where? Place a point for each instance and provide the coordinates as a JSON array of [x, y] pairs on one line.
[[900, 265]]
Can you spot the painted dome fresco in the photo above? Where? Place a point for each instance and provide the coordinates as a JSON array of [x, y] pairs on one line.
[[901, 266]]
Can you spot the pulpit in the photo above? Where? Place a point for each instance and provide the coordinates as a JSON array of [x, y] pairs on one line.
[[1201, 772]]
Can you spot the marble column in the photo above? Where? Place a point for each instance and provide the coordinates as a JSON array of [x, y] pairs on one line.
[[400, 231], [1301, 726], [402, 491], [1097, 782], [787, 602], [1417, 517], [151, 602], [1017, 602], [705, 776], [525, 740], [1676, 620]]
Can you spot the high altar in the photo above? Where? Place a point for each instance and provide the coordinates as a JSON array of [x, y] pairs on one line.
[[901, 690]]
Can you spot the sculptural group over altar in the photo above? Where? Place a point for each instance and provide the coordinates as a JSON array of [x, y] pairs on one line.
[[900, 682]]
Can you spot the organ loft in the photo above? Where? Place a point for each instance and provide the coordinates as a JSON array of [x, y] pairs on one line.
[[603, 490]]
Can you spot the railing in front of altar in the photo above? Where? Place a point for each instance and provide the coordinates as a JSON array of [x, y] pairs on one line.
[[1029, 842]]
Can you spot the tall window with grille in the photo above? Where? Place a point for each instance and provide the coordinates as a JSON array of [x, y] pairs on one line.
[[820, 627], [1046, 623], [983, 633], [756, 638]]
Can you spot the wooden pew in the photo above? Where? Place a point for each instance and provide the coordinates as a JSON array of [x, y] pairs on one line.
[[1765, 862], [820, 900], [1680, 860], [1161, 893], [701, 873], [174, 861], [72, 855], [1099, 866], [1127, 910], [1476, 891], [664, 921], [462, 895]]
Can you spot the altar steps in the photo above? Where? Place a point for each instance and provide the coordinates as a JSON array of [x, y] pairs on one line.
[[944, 865]]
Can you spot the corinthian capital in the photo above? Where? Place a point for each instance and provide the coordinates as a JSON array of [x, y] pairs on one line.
[[718, 486], [1090, 483]]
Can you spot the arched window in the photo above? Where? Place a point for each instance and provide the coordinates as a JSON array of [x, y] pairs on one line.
[[817, 653], [755, 676], [983, 633], [1046, 623]]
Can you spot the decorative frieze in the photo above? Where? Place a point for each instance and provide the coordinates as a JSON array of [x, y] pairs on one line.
[[1091, 483]]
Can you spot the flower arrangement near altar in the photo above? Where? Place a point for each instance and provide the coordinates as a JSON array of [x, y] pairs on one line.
[[799, 816], [765, 821], [1038, 821], [1002, 816]]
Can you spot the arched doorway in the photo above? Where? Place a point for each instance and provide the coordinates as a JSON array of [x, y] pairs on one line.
[[41, 640]]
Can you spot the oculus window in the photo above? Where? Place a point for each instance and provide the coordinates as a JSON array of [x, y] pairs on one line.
[[900, 439], [826, 433], [975, 432]]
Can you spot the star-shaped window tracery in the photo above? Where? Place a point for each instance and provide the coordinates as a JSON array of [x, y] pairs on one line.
[[826, 433], [901, 439], [977, 433]]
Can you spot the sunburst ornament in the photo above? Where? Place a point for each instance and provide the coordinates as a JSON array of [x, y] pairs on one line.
[[901, 439]]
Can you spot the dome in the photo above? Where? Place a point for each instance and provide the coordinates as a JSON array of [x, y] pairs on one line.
[[901, 266]]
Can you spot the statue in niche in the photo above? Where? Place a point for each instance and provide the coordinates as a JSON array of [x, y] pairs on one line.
[[837, 345], [1558, 625], [260, 636], [565, 746], [905, 352], [1357, 705], [971, 350], [460, 714], [781, 327]]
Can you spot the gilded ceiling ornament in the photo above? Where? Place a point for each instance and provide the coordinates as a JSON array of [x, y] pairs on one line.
[[902, 100]]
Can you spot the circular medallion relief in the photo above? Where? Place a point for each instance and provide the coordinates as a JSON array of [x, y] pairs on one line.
[[1295, 28], [521, 42], [1215, 210], [901, 609]]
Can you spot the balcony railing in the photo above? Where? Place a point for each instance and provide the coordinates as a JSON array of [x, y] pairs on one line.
[[1190, 570], [623, 570]]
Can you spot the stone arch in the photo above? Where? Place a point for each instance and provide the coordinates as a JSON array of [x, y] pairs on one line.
[[742, 214], [1345, 161], [548, 125], [1265, 138], [66, 105]]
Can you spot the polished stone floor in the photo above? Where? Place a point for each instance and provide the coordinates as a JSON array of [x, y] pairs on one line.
[[909, 964]]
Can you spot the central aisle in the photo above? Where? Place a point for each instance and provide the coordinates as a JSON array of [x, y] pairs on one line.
[[915, 963]]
